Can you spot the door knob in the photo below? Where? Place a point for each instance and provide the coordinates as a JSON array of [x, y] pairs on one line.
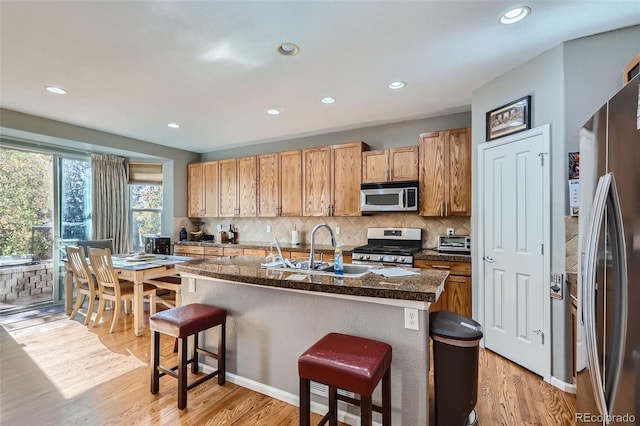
[[488, 259]]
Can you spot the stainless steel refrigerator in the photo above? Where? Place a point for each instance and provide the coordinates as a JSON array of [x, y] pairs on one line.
[[608, 363]]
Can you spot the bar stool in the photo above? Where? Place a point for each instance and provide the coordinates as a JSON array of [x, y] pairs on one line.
[[351, 363], [182, 322]]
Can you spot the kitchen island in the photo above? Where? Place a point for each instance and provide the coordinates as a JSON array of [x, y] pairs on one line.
[[274, 316]]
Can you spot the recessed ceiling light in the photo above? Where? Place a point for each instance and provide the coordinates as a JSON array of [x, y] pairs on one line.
[[397, 85], [328, 100], [174, 125], [56, 90], [273, 111], [514, 15], [288, 49]]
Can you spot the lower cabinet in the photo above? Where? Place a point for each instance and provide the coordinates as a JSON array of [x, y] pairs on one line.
[[456, 296]]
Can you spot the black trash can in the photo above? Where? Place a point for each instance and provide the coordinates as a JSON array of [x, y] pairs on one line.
[[455, 362]]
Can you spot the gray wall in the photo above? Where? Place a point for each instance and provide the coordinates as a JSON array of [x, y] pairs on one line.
[[378, 137], [567, 83], [55, 133]]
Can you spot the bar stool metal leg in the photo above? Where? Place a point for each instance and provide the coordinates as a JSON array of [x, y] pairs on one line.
[[222, 351], [333, 406]]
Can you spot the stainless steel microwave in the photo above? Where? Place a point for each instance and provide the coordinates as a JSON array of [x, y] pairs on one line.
[[389, 197]]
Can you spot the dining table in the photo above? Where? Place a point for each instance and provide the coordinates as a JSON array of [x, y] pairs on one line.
[[136, 268]]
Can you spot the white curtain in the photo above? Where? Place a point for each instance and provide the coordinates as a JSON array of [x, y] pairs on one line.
[[110, 200]]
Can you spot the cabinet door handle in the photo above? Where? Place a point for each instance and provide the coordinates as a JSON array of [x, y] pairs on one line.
[[441, 266], [446, 208], [441, 209]]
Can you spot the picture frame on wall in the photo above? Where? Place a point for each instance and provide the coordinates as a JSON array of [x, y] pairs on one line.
[[510, 118]]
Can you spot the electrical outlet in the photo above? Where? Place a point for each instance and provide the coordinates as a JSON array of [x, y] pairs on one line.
[[268, 229], [411, 320], [337, 230], [449, 231], [192, 285], [219, 227]]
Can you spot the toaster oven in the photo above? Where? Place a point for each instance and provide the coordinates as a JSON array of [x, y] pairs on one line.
[[454, 244]]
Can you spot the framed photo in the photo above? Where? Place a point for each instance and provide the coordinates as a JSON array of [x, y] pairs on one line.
[[511, 118]]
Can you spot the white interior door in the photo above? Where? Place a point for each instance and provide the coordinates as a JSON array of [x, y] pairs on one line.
[[514, 198]]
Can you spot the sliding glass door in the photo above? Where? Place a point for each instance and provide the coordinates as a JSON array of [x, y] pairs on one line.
[[45, 202]]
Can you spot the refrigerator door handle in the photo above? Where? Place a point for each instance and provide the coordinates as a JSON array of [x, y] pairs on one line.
[[620, 295], [588, 286]]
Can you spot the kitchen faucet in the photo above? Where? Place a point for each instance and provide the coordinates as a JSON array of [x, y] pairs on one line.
[[313, 242]]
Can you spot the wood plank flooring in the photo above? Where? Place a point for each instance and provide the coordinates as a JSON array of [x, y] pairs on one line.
[[112, 386]]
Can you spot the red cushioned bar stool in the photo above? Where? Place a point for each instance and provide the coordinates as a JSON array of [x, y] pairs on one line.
[[182, 322], [351, 363]]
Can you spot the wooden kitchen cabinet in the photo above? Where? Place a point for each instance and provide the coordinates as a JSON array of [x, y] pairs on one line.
[[202, 189], [195, 190], [280, 184], [346, 161], [255, 252], [290, 183], [191, 251], [213, 251], [395, 164], [331, 179], [237, 187], [228, 187], [247, 181], [445, 173], [316, 181], [456, 296]]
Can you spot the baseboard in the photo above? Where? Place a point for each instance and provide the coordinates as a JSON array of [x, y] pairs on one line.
[[284, 396], [563, 386]]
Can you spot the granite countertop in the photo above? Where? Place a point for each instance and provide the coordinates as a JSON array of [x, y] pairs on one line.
[[425, 287], [425, 254]]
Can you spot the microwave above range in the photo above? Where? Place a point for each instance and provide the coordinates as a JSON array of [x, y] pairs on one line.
[[388, 197]]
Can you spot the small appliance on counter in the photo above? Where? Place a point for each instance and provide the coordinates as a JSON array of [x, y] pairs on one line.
[[157, 245], [460, 244]]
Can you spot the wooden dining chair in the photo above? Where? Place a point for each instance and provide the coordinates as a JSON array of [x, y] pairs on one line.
[[171, 283], [110, 287], [86, 285]]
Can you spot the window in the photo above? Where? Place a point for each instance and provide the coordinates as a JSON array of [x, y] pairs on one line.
[[146, 213], [145, 202]]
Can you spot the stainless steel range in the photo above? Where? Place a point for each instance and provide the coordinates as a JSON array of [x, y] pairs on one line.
[[389, 246]]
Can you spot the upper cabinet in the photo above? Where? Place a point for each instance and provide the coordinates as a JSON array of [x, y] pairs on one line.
[[194, 190], [280, 184], [331, 178], [395, 164], [445, 173], [237, 187], [202, 189]]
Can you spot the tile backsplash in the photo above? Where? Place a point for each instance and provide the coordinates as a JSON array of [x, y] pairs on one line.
[[353, 230]]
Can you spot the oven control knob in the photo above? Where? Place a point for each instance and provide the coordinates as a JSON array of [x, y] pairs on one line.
[[401, 259], [381, 257], [395, 258], [367, 257]]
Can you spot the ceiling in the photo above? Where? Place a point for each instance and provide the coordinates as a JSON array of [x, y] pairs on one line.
[[132, 67]]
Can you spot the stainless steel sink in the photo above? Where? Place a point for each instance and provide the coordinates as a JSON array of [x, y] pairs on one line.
[[350, 270]]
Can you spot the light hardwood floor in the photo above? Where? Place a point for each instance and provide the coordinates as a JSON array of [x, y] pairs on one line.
[[57, 371]]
